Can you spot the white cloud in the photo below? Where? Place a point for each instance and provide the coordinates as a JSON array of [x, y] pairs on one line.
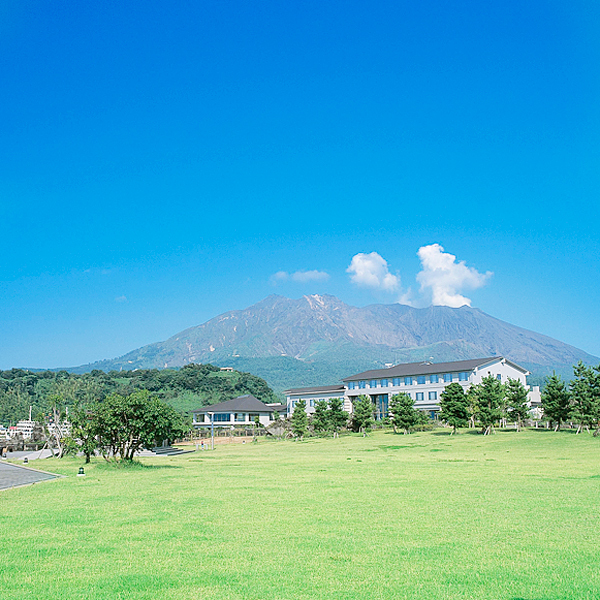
[[121, 299], [371, 270], [444, 278], [279, 277], [299, 276], [306, 276]]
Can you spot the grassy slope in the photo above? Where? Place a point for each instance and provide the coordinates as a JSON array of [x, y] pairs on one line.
[[423, 516]]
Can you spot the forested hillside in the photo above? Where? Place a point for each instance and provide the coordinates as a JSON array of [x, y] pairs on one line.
[[185, 389]]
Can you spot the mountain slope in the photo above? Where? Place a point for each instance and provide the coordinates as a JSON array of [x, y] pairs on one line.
[[317, 339]]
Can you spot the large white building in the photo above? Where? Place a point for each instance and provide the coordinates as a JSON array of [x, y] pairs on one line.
[[423, 382]]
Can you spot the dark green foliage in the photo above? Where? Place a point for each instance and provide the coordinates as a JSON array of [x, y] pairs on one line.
[[300, 419], [320, 420], [127, 424], [515, 400], [337, 417], [488, 399], [403, 414], [454, 405], [556, 400], [362, 415], [585, 395], [190, 387]]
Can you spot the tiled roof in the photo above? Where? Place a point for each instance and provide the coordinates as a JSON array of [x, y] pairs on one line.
[[425, 368], [247, 403]]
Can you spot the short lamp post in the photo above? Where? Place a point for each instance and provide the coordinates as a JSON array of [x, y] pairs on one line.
[[212, 430]]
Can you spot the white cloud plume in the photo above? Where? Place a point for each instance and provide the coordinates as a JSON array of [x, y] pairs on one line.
[[445, 278], [121, 299], [299, 276], [371, 270]]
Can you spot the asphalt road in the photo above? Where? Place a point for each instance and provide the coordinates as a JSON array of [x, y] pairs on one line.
[[14, 475]]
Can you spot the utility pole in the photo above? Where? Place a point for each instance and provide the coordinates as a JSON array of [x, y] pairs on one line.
[[212, 430]]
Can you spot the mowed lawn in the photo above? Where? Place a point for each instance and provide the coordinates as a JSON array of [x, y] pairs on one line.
[[509, 516]]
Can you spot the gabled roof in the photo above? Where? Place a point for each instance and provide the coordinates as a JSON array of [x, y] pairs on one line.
[[247, 403], [322, 389], [426, 368]]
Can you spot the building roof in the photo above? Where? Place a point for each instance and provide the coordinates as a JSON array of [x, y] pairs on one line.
[[247, 403], [427, 368], [322, 389]]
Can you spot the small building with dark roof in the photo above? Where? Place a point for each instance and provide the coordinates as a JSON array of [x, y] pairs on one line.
[[239, 412]]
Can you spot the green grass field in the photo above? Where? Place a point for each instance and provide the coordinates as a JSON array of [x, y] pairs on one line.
[[509, 516]]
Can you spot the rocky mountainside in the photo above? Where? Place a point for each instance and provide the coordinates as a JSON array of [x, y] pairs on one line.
[[328, 338]]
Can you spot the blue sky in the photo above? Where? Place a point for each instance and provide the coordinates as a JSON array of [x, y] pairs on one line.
[[160, 162]]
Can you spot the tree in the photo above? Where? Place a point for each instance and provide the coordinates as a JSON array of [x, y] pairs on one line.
[[362, 416], [585, 395], [556, 400], [516, 402], [126, 424], [489, 396], [403, 414], [57, 426], [337, 417], [454, 404], [320, 417], [84, 430], [300, 419]]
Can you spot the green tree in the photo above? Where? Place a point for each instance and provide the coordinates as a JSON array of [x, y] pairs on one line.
[[300, 419], [489, 396], [585, 395], [454, 404], [320, 420], [516, 402], [362, 416], [556, 400], [403, 414], [127, 424], [337, 417], [84, 430]]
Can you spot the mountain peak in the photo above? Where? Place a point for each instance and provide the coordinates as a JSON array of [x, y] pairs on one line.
[[322, 328]]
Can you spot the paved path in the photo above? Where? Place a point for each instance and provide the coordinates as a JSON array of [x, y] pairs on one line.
[[14, 475]]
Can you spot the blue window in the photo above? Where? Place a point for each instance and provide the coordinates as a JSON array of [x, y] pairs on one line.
[[312, 403], [499, 377], [294, 402], [362, 385], [373, 383], [384, 383], [463, 377], [421, 379], [396, 380], [447, 377], [419, 396], [408, 381], [240, 417], [433, 378], [222, 417], [433, 395], [351, 385]]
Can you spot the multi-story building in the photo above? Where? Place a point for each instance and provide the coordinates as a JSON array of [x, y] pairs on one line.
[[312, 395], [423, 382]]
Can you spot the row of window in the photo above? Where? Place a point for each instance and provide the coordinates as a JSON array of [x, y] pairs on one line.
[[313, 401], [226, 417], [419, 380]]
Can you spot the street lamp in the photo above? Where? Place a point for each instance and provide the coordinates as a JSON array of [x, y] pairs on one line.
[[212, 430]]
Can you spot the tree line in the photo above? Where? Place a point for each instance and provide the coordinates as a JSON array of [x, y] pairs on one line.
[[187, 388], [576, 403]]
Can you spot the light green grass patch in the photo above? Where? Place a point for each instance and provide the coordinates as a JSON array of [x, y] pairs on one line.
[[422, 516]]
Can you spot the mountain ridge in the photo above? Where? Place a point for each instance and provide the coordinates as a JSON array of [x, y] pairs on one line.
[[325, 335]]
